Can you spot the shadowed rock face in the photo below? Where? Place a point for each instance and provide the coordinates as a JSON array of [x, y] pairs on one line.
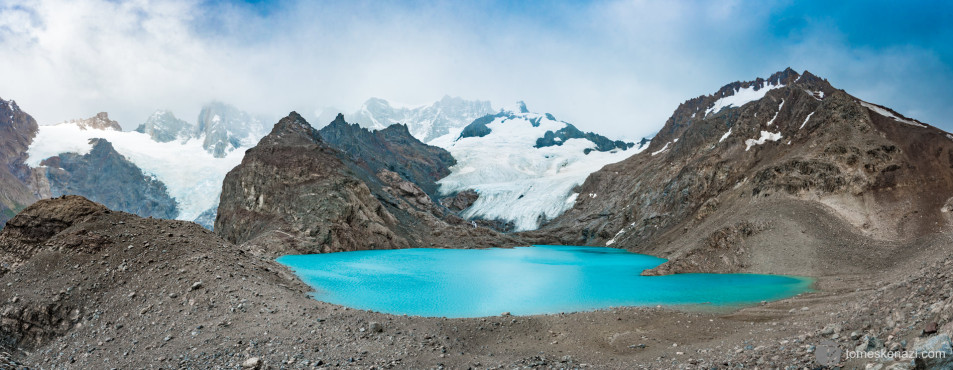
[[292, 183], [393, 149], [560, 136], [819, 167], [295, 193], [18, 187], [105, 176]]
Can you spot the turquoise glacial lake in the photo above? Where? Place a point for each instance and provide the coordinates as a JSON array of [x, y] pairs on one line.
[[522, 281]]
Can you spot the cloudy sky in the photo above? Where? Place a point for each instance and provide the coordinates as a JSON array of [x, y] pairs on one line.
[[616, 67]]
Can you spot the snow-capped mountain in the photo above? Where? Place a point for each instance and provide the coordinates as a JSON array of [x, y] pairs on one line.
[[190, 160], [425, 122], [225, 128], [221, 127], [525, 165], [163, 126]]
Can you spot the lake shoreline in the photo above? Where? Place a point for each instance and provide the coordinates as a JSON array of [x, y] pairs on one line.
[[435, 282]]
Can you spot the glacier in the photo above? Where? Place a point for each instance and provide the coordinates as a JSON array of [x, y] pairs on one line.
[[516, 180], [192, 174]]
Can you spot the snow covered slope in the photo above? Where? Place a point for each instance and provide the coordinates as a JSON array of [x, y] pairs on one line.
[[520, 175], [191, 171], [425, 122]]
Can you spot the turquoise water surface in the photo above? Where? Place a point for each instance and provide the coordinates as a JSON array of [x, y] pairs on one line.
[[522, 281]]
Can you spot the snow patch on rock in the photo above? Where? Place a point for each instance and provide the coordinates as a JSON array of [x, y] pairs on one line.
[[664, 148], [776, 113], [806, 119], [765, 137], [725, 136], [886, 113], [741, 97]]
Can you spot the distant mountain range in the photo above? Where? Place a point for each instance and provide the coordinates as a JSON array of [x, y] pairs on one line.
[[427, 122], [221, 127], [171, 168], [186, 161]]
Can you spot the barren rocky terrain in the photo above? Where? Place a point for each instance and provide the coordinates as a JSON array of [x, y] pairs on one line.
[[105, 289]]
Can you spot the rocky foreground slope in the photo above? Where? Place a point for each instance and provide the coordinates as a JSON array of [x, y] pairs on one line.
[[784, 175], [86, 287]]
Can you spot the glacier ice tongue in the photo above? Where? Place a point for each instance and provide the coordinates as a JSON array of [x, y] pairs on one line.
[[516, 181]]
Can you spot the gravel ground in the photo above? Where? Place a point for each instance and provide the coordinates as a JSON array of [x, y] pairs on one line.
[[113, 290]]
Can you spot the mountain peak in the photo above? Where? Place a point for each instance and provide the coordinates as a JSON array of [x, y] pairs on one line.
[[339, 119], [163, 126], [785, 77], [291, 129], [12, 104], [227, 128], [295, 117], [100, 121]]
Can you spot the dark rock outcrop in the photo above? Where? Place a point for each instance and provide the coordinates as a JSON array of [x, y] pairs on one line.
[[105, 176], [479, 128], [18, 185], [558, 137], [295, 193], [392, 149], [460, 201], [811, 163]]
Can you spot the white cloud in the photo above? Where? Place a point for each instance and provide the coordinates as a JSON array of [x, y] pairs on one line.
[[618, 67]]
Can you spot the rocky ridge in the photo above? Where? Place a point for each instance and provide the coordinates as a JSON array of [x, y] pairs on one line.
[[393, 149], [100, 121], [804, 162], [19, 186], [317, 199]]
